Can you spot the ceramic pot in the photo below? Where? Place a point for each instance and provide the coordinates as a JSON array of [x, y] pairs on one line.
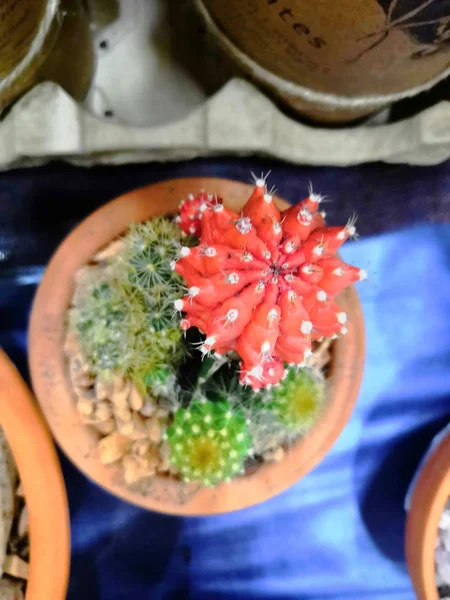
[[335, 61], [43, 485], [44, 40], [51, 383], [429, 497]]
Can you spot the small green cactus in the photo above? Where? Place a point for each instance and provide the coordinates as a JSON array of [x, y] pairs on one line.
[[209, 442], [264, 426], [298, 400], [144, 266], [127, 323], [100, 323]]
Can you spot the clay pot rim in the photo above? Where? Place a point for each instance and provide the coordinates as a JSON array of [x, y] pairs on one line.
[[43, 484], [431, 493], [46, 22], [47, 363], [327, 100]]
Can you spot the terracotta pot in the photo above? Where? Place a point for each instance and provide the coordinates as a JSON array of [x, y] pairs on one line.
[[48, 367], [43, 485], [335, 61], [430, 494]]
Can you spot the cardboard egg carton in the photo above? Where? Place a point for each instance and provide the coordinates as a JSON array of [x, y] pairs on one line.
[[162, 91]]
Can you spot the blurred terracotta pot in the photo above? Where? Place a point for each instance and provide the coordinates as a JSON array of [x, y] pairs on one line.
[[51, 384], [43, 485], [430, 494], [44, 40], [335, 61]]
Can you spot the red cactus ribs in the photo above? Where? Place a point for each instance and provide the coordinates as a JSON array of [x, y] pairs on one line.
[[191, 212], [262, 283]]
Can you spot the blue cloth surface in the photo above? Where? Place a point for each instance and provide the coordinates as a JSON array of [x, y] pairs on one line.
[[339, 532]]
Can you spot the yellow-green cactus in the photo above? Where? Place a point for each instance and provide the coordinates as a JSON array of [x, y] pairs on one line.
[[209, 442], [298, 400]]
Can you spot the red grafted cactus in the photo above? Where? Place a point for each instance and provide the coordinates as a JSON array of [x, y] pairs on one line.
[[191, 212], [262, 283]]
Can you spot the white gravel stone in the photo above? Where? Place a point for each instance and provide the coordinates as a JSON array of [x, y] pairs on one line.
[[442, 552]]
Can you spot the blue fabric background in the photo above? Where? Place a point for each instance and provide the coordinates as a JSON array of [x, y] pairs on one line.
[[339, 532]]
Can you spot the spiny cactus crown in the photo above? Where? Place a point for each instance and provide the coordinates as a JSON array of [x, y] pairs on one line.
[[262, 283], [209, 442], [145, 265]]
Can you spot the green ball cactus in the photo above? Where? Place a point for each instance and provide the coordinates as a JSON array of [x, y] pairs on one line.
[[209, 442], [298, 400]]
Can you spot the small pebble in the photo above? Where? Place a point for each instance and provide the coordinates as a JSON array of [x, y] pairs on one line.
[[102, 389], [113, 447], [132, 472], [103, 412], [71, 344], [442, 551], [85, 407], [110, 250], [141, 447], [123, 413], [118, 383], [120, 397], [154, 430], [148, 409], [274, 455], [16, 567], [22, 527], [10, 590], [106, 427], [136, 400]]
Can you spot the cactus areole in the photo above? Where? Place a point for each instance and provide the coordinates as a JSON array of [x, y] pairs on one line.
[[262, 283]]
